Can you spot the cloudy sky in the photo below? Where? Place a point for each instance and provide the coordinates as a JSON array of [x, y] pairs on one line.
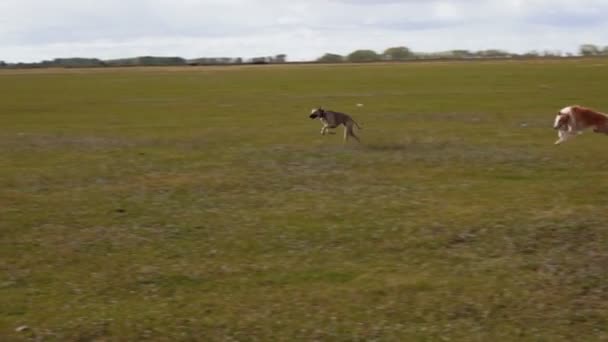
[[33, 30]]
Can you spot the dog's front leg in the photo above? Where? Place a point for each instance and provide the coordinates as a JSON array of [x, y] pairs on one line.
[[323, 129], [563, 136]]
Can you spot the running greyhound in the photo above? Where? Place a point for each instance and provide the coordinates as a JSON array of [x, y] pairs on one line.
[[331, 119]]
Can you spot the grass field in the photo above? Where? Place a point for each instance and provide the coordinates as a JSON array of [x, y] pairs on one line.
[[202, 204]]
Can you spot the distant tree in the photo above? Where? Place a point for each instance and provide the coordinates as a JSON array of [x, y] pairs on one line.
[[150, 60], [238, 60], [493, 53], [532, 53], [259, 60], [605, 51], [280, 58], [330, 58], [589, 50], [22, 65], [397, 53], [363, 56], [2, 64], [147, 61], [74, 62], [210, 61], [462, 53]]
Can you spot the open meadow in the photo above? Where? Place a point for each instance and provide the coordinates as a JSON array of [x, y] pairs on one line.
[[202, 204]]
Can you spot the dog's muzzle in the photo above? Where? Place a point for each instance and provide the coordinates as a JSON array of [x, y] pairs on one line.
[[313, 116]]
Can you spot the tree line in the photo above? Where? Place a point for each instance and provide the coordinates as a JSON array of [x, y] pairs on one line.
[[399, 53], [78, 62], [402, 53]]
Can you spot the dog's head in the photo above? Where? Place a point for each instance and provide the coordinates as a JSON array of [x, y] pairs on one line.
[[317, 113], [561, 121]]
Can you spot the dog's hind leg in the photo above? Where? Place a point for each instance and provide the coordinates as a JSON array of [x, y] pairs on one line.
[[349, 131], [352, 132], [601, 129]]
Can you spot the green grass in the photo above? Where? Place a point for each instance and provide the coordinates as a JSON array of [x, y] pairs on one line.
[[202, 204]]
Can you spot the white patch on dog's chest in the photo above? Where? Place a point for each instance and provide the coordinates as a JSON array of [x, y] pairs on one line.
[[556, 121]]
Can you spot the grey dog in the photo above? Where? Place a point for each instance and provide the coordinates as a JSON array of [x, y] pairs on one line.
[[331, 119]]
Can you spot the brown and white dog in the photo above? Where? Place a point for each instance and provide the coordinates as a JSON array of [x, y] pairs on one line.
[[573, 120]]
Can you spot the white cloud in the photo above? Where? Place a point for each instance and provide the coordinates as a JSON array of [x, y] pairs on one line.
[[31, 30]]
